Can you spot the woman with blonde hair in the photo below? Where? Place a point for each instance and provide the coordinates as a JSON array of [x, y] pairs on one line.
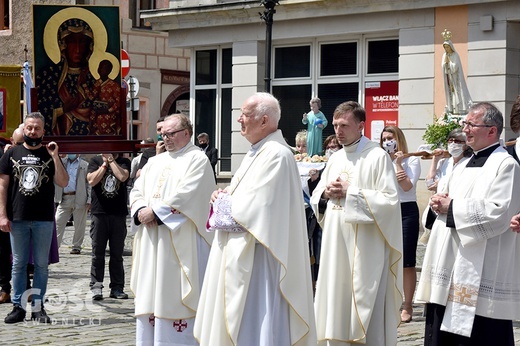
[[301, 142]]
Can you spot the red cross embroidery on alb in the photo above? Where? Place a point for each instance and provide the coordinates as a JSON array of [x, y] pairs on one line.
[[180, 325]]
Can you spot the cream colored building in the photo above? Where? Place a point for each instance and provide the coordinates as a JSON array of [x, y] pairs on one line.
[[334, 49]]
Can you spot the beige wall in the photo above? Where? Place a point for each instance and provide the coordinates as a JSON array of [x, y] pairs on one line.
[[19, 35], [455, 19]]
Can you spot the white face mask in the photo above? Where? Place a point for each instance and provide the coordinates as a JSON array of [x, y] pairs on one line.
[[390, 146], [455, 149], [329, 152]]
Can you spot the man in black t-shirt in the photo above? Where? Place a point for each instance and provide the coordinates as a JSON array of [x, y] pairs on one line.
[[28, 173], [106, 174]]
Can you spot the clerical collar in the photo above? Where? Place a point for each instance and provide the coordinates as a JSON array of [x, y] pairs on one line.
[[258, 145], [480, 157], [181, 150], [352, 147]]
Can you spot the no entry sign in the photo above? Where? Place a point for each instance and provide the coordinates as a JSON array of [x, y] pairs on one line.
[[125, 63]]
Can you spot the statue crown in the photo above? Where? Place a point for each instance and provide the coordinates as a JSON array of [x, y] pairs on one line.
[[446, 34]]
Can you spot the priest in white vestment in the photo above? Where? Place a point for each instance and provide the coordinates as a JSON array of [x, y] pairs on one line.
[[257, 289], [470, 278], [170, 206], [359, 288]]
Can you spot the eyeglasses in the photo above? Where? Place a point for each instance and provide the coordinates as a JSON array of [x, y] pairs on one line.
[[471, 125], [453, 140], [167, 135]]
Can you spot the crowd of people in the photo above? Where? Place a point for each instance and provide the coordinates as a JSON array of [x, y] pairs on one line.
[[239, 265]]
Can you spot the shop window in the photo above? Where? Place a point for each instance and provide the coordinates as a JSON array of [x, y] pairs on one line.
[[292, 62], [213, 106], [206, 68], [338, 59], [383, 56]]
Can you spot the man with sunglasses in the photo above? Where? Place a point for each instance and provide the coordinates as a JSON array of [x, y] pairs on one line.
[[170, 207], [469, 278]]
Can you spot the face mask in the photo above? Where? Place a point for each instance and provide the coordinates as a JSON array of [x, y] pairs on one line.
[[455, 149], [72, 157], [204, 145], [32, 142], [390, 146], [329, 152], [159, 137]]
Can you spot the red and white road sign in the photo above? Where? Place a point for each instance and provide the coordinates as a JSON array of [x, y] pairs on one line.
[[125, 63]]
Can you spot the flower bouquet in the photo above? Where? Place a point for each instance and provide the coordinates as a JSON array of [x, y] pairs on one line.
[[306, 158], [436, 134]]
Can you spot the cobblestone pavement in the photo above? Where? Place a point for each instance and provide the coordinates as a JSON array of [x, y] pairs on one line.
[[77, 320]]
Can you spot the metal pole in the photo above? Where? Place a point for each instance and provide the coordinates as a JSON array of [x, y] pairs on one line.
[[131, 83], [267, 16]]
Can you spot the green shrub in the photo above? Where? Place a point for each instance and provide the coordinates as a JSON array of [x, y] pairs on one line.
[[437, 133]]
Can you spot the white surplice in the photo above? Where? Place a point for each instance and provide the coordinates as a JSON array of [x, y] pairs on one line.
[[169, 260], [257, 289], [473, 268], [359, 288]]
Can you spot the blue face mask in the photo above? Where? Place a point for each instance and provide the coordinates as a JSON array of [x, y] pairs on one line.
[[72, 157]]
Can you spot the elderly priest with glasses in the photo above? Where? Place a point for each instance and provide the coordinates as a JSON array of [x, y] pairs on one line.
[[170, 207], [470, 278]]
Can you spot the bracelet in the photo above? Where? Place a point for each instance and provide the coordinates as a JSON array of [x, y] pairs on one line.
[[110, 160]]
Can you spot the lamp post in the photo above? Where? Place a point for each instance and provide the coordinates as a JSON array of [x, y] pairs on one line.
[[267, 16]]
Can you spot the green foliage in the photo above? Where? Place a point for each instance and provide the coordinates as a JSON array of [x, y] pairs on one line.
[[437, 133]]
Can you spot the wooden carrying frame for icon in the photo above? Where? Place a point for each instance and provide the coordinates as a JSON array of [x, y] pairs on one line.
[[77, 72]]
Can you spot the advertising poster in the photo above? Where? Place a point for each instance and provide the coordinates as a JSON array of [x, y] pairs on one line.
[[382, 107]]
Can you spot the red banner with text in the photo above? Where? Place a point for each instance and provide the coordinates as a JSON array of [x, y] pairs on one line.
[[382, 107]]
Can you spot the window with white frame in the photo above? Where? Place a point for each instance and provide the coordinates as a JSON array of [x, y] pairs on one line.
[[212, 112], [333, 71]]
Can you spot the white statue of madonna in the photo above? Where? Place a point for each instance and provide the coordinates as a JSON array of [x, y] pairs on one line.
[[458, 99]]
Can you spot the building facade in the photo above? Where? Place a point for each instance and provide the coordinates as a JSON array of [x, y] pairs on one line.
[[338, 50]]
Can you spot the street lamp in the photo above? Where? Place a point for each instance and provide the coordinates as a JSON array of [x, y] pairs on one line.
[[267, 16]]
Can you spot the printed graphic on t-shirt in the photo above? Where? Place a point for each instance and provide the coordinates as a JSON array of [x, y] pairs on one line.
[[110, 185], [30, 172]]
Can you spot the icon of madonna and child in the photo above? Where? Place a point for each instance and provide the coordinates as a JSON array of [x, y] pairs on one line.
[[77, 77]]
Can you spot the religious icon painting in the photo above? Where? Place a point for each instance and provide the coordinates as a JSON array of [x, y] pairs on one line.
[[78, 71]]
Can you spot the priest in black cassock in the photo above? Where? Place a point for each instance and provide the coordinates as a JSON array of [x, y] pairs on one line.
[[470, 278]]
